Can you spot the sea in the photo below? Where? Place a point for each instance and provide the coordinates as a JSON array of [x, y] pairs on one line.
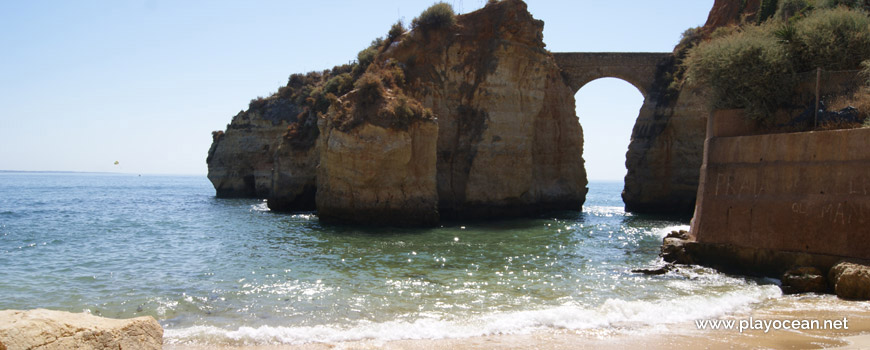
[[230, 272]]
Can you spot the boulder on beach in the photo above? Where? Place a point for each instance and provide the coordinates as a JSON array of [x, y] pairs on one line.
[[850, 280], [48, 330]]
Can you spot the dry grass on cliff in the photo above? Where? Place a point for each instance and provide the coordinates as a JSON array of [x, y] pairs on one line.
[[378, 99]]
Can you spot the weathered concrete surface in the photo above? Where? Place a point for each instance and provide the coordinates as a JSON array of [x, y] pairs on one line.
[[42, 329], [664, 156], [806, 193]]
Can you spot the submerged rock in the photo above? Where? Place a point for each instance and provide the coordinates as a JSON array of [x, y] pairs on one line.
[[850, 280], [655, 271], [49, 330]]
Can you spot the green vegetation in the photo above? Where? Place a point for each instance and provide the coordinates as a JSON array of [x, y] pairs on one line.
[[439, 15], [754, 66], [834, 39], [748, 69], [396, 31], [370, 88], [691, 37], [365, 57]]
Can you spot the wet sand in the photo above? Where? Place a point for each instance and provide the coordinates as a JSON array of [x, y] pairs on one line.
[[666, 337]]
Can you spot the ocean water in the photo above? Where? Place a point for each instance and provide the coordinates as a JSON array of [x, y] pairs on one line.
[[228, 271]]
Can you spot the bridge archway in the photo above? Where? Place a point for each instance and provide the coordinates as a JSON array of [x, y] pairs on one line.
[[665, 150], [637, 68], [607, 127]]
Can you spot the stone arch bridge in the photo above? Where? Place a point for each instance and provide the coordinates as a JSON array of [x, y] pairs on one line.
[[637, 68], [664, 156]]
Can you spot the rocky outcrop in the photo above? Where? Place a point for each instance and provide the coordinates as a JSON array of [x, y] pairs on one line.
[[805, 279], [48, 330], [509, 142], [271, 144], [665, 153], [377, 175], [506, 140], [241, 158], [850, 280], [667, 142], [294, 177], [730, 12], [676, 248]]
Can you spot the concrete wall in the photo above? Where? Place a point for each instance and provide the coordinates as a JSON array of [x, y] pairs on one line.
[[805, 193]]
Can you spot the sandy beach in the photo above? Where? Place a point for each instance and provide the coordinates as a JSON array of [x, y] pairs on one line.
[[675, 336]]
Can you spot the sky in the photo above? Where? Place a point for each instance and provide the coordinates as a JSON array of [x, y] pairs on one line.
[[86, 83]]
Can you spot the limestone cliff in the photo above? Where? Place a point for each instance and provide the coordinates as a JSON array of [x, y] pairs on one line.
[[377, 175], [666, 149], [509, 142], [731, 12], [268, 150], [240, 159], [665, 153], [294, 177], [470, 119]]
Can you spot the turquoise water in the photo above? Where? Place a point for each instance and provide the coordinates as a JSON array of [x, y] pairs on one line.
[[228, 271]]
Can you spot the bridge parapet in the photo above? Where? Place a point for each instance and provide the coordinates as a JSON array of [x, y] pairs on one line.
[[637, 68]]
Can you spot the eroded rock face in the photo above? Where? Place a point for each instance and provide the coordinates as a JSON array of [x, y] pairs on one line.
[[850, 280], [240, 159], [376, 175], [730, 12], [294, 178], [509, 142], [506, 141], [665, 154], [49, 330]]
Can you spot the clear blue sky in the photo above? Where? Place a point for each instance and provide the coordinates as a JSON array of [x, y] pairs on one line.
[[86, 83]]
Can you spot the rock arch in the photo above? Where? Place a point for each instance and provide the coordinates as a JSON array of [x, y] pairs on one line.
[[664, 156]]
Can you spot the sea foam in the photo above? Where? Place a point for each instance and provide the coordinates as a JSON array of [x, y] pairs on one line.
[[612, 314]]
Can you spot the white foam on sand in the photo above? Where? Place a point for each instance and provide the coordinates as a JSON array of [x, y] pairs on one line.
[[613, 314]]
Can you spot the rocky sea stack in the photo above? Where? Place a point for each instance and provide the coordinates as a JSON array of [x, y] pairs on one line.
[[463, 116]]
